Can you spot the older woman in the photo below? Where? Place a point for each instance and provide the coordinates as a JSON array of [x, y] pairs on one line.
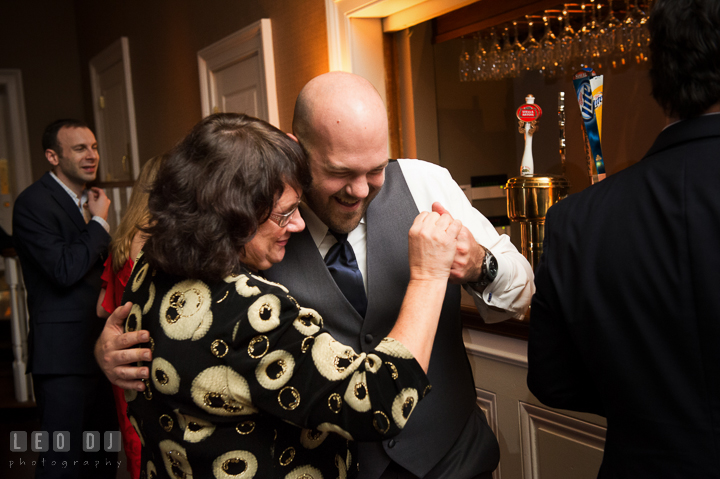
[[244, 381]]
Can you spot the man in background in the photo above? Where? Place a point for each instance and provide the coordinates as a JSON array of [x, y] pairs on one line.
[[360, 207], [61, 235], [625, 320]]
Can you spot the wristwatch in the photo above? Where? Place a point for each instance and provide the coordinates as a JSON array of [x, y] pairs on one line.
[[488, 273]]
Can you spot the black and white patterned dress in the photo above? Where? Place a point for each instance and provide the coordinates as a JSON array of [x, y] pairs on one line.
[[245, 383]]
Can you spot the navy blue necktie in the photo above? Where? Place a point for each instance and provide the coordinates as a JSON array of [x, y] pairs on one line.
[[343, 267]]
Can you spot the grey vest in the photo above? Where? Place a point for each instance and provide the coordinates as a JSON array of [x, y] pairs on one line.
[[439, 418]]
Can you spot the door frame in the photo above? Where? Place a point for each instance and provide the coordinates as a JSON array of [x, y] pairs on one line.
[[118, 51], [355, 29], [20, 147], [253, 39]]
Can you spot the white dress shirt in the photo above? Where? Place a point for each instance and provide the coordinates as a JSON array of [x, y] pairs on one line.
[[509, 294], [81, 201]]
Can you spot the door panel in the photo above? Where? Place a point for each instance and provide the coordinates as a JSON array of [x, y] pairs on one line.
[[238, 86], [7, 185], [115, 141]]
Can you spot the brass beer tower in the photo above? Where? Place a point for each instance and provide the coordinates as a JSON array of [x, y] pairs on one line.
[[529, 196]]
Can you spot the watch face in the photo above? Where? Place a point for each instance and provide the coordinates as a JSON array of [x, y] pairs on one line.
[[492, 267]]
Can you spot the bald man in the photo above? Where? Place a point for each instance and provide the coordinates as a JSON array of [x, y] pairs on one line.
[[341, 123]]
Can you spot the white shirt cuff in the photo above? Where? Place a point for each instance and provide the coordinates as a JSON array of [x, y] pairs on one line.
[[102, 222]]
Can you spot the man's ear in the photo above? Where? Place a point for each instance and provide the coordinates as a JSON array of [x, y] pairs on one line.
[[52, 157], [294, 138]]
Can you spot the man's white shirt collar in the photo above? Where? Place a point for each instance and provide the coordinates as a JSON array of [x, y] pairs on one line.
[[80, 201]]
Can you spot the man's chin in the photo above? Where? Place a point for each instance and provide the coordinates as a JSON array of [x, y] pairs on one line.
[[344, 223]]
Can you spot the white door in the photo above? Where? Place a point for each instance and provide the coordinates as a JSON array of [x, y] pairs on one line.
[[237, 74], [238, 88], [114, 113], [6, 184], [114, 144], [14, 149]]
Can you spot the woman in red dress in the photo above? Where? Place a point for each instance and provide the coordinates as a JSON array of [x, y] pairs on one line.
[[126, 243]]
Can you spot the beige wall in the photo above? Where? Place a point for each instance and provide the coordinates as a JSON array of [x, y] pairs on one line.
[[164, 38], [38, 38], [52, 42]]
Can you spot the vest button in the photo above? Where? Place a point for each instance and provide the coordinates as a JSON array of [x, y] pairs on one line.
[[368, 338], [391, 443]]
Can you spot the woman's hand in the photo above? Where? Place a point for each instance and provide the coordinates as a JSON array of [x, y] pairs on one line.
[[433, 242]]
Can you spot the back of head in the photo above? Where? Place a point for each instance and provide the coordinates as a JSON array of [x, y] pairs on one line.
[[685, 56], [136, 214], [49, 138], [214, 190]]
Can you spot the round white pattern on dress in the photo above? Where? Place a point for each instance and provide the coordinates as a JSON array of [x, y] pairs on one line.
[[312, 438], [194, 429], [356, 395], [264, 313], [175, 459], [403, 406], [394, 348], [275, 369], [329, 427], [235, 465], [242, 287], [164, 376], [151, 298], [134, 320], [140, 277], [222, 391], [185, 310], [373, 363], [334, 360], [308, 321], [304, 472], [135, 426]]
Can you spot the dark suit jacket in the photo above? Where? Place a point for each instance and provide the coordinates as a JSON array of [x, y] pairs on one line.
[[62, 260], [625, 320]]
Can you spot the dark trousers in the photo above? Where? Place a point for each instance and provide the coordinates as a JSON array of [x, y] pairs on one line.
[[396, 471], [75, 403], [474, 455]]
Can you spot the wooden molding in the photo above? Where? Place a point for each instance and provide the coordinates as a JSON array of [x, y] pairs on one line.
[[485, 14]]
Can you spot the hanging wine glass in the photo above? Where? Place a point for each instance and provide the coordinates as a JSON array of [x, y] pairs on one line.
[[566, 40], [479, 61], [494, 55], [610, 27], [639, 36], [600, 34], [645, 36], [518, 52], [507, 65], [592, 36], [548, 65], [579, 43], [532, 47], [465, 64], [628, 31]]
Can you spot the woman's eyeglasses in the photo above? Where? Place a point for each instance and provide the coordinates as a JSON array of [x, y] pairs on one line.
[[283, 219]]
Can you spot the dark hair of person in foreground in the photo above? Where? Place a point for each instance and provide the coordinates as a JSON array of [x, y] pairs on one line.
[[217, 185], [685, 56]]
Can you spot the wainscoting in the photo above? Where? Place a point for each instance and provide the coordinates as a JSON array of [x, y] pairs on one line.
[[536, 442]]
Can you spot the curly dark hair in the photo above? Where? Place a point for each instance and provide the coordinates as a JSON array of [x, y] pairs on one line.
[[685, 55], [49, 138], [214, 190]]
